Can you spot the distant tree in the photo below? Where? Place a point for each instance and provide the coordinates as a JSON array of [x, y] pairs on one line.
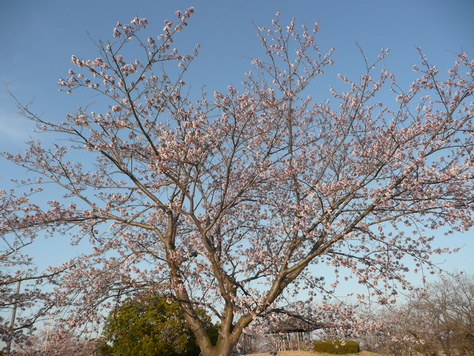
[[234, 201], [152, 326], [436, 321], [57, 343]]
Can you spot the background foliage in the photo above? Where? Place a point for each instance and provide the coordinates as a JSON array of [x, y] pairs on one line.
[[438, 319]]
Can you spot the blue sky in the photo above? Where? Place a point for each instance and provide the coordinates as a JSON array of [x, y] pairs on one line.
[[38, 38]]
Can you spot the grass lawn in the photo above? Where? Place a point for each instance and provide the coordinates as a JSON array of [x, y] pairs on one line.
[[310, 353]]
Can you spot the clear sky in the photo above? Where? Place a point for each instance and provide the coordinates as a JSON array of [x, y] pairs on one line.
[[38, 38]]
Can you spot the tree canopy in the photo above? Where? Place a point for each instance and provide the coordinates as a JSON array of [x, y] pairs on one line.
[[233, 202]]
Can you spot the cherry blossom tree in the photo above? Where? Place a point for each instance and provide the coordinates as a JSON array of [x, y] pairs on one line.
[[237, 200]]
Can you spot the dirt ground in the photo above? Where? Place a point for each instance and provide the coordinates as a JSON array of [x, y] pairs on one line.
[[309, 353]]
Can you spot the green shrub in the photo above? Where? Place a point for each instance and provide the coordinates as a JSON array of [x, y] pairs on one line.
[[150, 325], [336, 347]]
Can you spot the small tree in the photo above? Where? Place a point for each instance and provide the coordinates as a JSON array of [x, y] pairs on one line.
[[234, 201], [152, 326]]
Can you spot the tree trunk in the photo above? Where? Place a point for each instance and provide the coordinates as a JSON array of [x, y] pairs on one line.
[[223, 348]]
